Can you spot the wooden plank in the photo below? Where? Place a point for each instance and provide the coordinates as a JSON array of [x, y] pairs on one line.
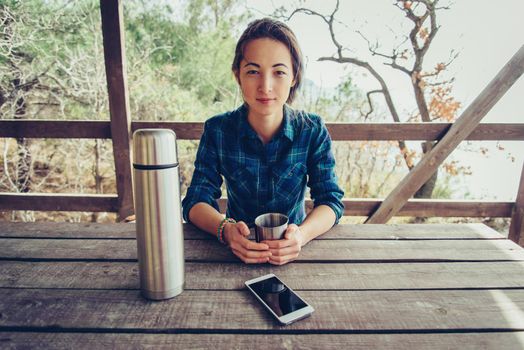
[[464, 125], [67, 230], [59, 129], [353, 206], [59, 202], [516, 228], [335, 311], [341, 231], [91, 129], [306, 276], [419, 131], [430, 208], [114, 55], [183, 130], [464, 341], [318, 250]]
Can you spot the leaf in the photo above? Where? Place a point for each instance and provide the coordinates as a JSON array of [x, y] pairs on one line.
[[423, 33]]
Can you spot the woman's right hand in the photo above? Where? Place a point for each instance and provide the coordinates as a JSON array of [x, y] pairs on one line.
[[235, 235]]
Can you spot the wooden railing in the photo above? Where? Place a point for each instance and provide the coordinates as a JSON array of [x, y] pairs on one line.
[[193, 130]]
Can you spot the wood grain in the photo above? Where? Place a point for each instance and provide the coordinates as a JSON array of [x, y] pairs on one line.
[[342, 231], [306, 276], [464, 341], [516, 228], [359, 304], [94, 129], [59, 202], [353, 206], [112, 13], [56, 129], [238, 311], [318, 250]]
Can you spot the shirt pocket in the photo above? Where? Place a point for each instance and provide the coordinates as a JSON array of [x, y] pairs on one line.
[[242, 182], [289, 180]]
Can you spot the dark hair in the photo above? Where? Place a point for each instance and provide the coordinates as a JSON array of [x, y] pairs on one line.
[[276, 30]]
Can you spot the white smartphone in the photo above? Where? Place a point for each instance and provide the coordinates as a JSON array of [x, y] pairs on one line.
[[281, 301]]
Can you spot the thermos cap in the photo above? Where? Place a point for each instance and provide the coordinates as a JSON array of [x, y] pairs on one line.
[[153, 147]]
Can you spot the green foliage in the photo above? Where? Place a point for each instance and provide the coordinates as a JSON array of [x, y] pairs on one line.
[[187, 63]]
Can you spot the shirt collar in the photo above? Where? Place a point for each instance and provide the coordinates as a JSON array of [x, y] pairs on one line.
[[288, 130], [245, 130]]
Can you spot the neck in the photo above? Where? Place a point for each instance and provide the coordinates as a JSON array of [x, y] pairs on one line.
[[266, 126]]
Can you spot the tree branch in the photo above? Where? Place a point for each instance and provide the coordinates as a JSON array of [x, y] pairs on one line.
[[328, 19], [368, 95]]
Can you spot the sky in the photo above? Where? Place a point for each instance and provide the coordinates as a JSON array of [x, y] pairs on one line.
[[486, 35]]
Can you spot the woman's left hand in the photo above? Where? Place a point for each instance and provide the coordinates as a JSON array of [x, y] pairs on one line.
[[287, 249]]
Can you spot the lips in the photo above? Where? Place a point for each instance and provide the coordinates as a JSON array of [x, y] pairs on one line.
[[266, 100]]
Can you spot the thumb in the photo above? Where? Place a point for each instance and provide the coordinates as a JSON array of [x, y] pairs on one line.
[[291, 229], [242, 228]]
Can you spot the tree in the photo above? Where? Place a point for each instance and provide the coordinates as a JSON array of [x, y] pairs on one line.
[[52, 67], [407, 57]]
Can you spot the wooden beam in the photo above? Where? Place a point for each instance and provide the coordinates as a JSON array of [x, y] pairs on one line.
[[464, 125], [419, 131], [183, 130], [95, 129], [56, 129], [114, 55], [59, 202], [421, 207], [432, 207], [516, 227], [354, 206]]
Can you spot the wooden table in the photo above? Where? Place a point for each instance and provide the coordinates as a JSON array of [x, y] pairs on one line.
[[373, 286]]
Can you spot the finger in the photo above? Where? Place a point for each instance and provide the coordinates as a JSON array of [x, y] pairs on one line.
[[242, 227], [251, 257], [291, 229], [254, 246], [244, 246], [285, 251], [253, 253], [251, 260], [278, 243], [281, 260], [240, 241]]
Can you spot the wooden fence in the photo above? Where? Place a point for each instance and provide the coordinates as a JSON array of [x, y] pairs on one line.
[[193, 131]]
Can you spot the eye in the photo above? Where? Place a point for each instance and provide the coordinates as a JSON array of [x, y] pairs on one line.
[[252, 72], [280, 72]]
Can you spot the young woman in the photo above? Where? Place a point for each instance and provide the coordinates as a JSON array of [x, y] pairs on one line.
[[267, 153]]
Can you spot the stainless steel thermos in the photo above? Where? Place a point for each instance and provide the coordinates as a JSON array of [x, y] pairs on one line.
[[159, 235]]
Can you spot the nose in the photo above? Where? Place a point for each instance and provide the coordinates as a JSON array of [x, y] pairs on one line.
[[265, 83]]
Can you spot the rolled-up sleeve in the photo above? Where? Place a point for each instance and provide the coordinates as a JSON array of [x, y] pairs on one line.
[[206, 181], [321, 171]]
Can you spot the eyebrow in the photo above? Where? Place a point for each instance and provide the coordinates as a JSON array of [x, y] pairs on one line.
[[258, 66]]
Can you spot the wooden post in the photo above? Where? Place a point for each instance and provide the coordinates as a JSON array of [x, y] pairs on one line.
[[114, 55], [516, 227], [462, 127]]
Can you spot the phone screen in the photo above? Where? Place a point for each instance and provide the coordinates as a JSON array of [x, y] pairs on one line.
[[277, 296]]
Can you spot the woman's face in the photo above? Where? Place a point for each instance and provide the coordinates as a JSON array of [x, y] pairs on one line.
[[266, 76]]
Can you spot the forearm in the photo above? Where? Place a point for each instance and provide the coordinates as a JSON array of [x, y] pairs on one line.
[[205, 217], [319, 220]]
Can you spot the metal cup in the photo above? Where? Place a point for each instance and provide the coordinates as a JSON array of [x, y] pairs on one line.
[[270, 226]]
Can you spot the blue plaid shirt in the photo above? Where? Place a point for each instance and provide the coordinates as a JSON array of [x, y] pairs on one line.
[[265, 178]]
